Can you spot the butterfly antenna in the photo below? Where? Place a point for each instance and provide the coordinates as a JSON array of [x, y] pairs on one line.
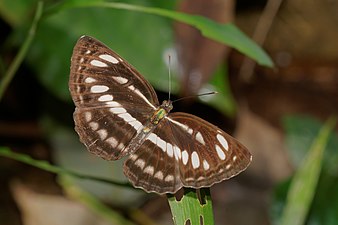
[[169, 61], [194, 96]]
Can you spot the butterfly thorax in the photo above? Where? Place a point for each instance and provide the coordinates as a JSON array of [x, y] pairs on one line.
[[157, 116], [149, 126], [161, 112]]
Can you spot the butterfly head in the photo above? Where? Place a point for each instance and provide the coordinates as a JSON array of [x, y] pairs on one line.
[[167, 105]]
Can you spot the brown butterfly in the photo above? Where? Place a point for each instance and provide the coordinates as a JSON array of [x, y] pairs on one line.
[[118, 114]]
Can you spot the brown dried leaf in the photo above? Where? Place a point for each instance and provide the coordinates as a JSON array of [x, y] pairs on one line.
[[198, 56]]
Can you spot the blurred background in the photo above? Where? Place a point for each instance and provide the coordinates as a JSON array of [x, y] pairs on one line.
[[275, 112]]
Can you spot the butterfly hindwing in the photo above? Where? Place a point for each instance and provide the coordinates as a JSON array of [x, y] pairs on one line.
[[152, 167]]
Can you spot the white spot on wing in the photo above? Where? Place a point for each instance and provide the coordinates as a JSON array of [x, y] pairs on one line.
[[112, 141], [159, 175], [185, 157], [133, 157], [169, 178], [78, 89], [89, 80], [88, 116], [121, 80], [223, 142], [188, 179], [183, 126], [136, 124], [81, 99], [121, 146], [170, 151], [135, 90], [220, 152], [200, 178], [140, 163], [117, 110], [169, 147], [109, 58], [105, 98], [126, 117], [195, 161], [205, 165], [98, 63], [177, 153], [102, 133], [99, 88], [149, 170], [113, 104], [87, 52], [94, 125], [200, 138], [190, 131], [152, 137], [161, 143]]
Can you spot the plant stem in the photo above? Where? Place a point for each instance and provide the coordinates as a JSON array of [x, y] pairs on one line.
[[14, 66]]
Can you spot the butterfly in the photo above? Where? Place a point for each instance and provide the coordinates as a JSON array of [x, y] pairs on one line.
[[118, 115]]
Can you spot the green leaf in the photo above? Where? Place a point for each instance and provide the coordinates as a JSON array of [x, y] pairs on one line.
[[140, 47], [189, 208], [300, 132], [44, 165], [57, 34], [224, 100], [59, 29], [16, 12], [224, 33], [304, 183]]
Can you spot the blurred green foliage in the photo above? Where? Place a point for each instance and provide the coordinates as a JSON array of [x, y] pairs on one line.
[[300, 135], [143, 39]]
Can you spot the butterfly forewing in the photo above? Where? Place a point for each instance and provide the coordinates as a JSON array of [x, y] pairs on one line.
[[112, 99]]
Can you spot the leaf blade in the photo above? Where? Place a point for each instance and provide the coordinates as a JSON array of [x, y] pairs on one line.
[[227, 34], [299, 199]]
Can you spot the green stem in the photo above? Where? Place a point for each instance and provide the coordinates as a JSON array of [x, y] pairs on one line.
[[8, 76], [195, 206]]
